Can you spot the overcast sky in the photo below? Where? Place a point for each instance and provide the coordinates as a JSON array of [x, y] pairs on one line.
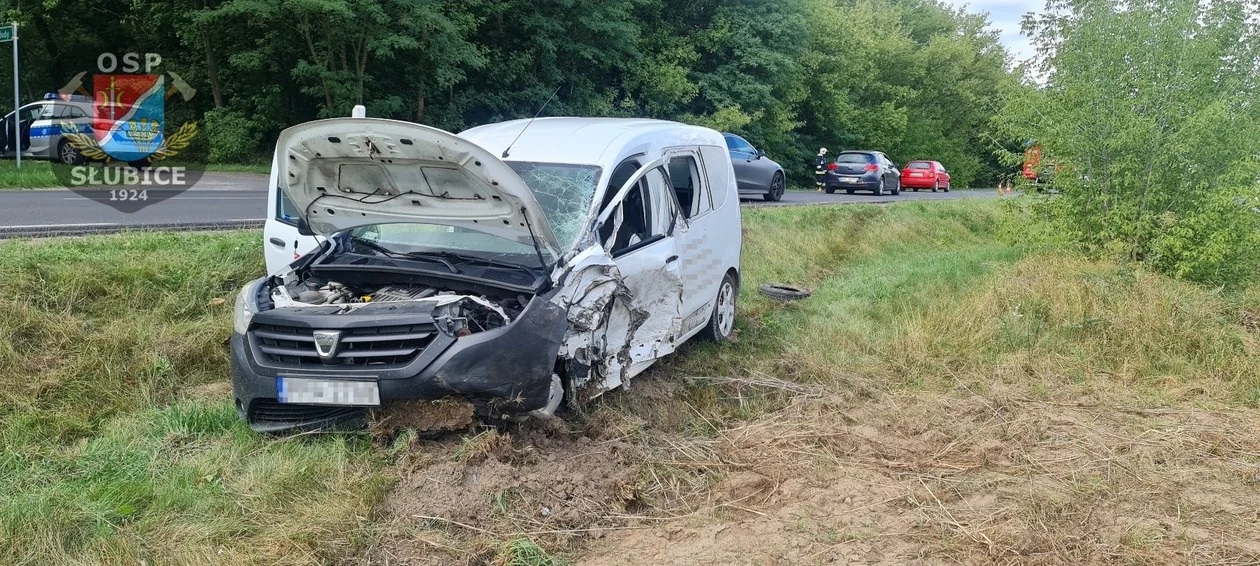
[[1005, 16]]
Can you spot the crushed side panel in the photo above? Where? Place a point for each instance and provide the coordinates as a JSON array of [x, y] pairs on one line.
[[613, 330]]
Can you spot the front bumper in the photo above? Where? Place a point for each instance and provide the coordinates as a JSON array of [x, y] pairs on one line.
[[503, 371]]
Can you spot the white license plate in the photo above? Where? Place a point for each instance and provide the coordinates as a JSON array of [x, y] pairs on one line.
[[327, 391], [849, 179]]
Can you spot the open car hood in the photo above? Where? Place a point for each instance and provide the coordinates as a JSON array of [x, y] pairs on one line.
[[343, 173]]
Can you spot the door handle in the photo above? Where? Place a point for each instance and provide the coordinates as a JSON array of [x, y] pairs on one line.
[[276, 242], [671, 259]]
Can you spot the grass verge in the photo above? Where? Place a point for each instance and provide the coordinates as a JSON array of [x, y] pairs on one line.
[[118, 440], [38, 174], [948, 391]]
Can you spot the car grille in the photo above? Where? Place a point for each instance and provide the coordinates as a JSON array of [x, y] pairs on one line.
[[273, 412], [378, 347]]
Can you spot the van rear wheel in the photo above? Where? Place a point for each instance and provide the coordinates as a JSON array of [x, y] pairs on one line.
[[722, 320]]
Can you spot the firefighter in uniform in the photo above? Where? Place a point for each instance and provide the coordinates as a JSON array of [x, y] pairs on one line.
[[820, 168]]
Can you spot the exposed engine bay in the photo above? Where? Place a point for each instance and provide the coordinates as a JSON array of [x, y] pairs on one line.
[[459, 314]]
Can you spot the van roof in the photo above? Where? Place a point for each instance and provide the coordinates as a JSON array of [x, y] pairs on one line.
[[592, 141]]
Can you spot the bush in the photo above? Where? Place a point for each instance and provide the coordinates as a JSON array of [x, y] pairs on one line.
[[234, 138], [1147, 113]]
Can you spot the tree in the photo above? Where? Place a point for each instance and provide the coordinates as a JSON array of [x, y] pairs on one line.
[[1149, 109]]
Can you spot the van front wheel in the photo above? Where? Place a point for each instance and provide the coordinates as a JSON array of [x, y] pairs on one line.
[[722, 321]]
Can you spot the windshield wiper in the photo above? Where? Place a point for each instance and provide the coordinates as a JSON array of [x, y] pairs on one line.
[[474, 259], [369, 244]]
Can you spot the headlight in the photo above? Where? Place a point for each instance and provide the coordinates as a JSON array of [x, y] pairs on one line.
[[245, 307]]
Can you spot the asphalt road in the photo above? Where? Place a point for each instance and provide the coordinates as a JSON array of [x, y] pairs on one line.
[[235, 197]]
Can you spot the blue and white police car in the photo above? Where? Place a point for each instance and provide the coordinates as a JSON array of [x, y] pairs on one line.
[[40, 126]]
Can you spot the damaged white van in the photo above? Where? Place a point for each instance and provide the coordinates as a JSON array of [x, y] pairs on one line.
[[509, 274]]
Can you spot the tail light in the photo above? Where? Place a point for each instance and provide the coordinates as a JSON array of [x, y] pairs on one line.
[[831, 166], [872, 167]]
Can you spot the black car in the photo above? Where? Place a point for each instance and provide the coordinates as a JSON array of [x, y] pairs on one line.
[[862, 170]]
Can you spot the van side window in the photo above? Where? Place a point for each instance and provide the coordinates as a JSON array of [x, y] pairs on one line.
[[631, 222], [684, 173], [644, 215], [286, 211], [718, 173]]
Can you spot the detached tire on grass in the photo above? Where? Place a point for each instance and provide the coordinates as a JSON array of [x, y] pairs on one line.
[[780, 292]]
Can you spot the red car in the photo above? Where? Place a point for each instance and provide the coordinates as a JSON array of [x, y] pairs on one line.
[[925, 175]]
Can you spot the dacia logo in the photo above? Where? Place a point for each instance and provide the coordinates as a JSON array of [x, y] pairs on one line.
[[326, 342]]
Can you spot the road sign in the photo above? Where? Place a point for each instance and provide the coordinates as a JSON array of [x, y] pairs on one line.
[[6, 34]]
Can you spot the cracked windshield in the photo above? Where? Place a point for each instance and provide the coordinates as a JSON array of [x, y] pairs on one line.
[[564, 192]]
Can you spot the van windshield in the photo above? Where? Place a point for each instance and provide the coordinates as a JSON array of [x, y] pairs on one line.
[[564, 191]]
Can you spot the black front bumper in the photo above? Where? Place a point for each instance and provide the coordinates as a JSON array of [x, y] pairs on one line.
[[503, 371]]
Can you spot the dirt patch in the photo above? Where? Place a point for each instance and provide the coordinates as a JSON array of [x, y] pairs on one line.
[[423, 416], [982, 475], [992, 479], [459, 497]]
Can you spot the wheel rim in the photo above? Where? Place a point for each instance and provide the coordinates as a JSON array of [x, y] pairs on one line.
[[726, 309], [776, 186], [67, 154], [881, 186]]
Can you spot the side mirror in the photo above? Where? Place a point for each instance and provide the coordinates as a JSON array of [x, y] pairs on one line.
[[761, 153], [303, 228]]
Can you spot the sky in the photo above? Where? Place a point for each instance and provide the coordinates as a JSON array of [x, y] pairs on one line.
[[1005, 16]]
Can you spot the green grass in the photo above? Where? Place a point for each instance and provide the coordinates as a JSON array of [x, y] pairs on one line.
[[927, 293], [118, 441], [33, 175], [38, 174]]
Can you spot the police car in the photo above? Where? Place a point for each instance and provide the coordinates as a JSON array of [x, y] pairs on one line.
[[41, 127]]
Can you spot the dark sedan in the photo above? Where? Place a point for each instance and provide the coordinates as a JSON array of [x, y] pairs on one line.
[[756, 174], [864, 171]]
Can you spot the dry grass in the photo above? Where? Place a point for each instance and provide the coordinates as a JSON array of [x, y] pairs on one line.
[[946, 396]]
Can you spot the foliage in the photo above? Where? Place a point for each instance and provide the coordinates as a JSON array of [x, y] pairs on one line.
[[1149, 110], [233, 136], [910, 77]]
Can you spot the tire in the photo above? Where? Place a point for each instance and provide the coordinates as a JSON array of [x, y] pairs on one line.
[[722, 319], [848, 191], [897, 188], [947, 187], [830, 190], [776, 188], [67, 154], [879, 189], [916, 189], [936, 186], [781, 292]]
